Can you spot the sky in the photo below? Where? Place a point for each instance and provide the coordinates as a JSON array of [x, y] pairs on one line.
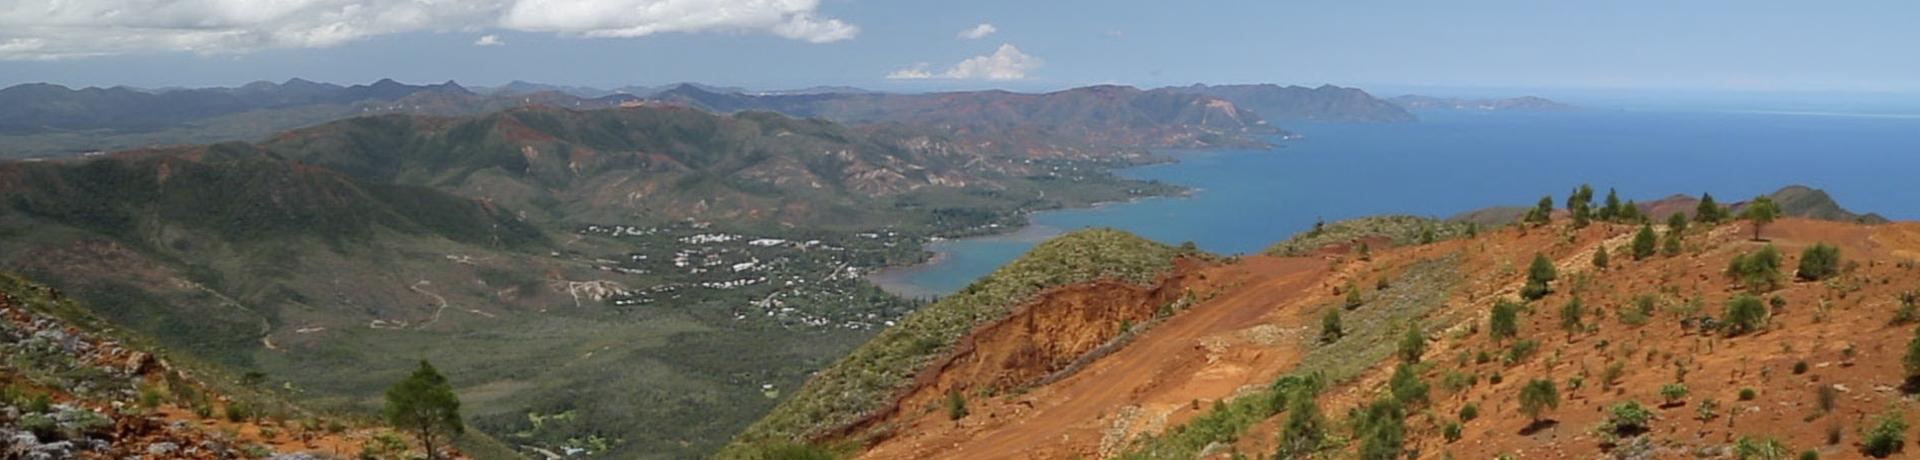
[[907, 45]]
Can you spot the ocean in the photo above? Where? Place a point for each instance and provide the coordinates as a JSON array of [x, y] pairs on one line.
[[1455, 161]]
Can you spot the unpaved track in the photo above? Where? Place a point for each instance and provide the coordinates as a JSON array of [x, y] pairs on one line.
[[1189, 360]]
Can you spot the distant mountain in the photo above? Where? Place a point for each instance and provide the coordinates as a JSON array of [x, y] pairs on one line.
[[1299, 103], [1096, 115], [41, 108], [522, 87], [1523, 103]]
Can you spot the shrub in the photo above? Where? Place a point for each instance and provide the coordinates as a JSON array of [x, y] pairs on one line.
[[1673, 392], [1747, 394], [1670, 245], [1600, 258], [1412, 344], [1799, 367], [238, 412], [956, 405], [1809, 454], [1709, 211], [1909, 311], [1570, 316], [1643, 242], [1677, 223], [1819, 261], [1364, 251], [1540, 274], [1886, 436], [1451, 431], [1381, 430], [1537, 397], [1504, 320], [1744, 314], [1626, 419], [1611, 376], [1911, 361], [1304, 431], [1751, 448], [1542, 213], [1759, 270], [1520, 351], [1330, 329], [1469, 411], [1353, 296], [1407, 387]]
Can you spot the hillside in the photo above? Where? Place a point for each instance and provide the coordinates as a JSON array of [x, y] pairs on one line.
[[1222, 376], [1095, 115], [1299, 103], [1794, 201], [73, 387]]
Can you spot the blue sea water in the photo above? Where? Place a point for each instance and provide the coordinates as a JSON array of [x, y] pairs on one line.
[[1451, 162]]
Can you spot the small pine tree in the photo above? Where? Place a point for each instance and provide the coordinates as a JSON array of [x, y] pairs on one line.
[[1610, 211], [1540, 276], [1671, 245], [1381, 430], [1887, 436], [956, 405], [1330, 329], [1709, 212], [424, 404], [1677, 223], [1600, 258], [1630, 213], [1504, 321], [1643, 242], [1406, 385], [1570, 316], [1304, 431], [1413, 344], [1761, 211], [1537, 397], [1542, 213], [1911, 361]]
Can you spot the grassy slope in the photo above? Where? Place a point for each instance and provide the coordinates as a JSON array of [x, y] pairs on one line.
[[1400, 229], [860, 383]]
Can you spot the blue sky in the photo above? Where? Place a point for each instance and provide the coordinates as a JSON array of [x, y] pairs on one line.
[[1721, 45]]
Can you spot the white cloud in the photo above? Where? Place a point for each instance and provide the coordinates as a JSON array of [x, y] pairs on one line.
[[1006, 63], [57, 29], [979, 31], [489, 40]]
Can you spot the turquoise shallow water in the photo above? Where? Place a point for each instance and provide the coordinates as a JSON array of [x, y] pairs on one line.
[[1452, 162]]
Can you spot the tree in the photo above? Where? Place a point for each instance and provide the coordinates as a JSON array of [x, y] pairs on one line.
[[1819, 261], [1580, 205], [1330, 329], [1406, 385], [1305, 429], [424, 404], [1426, 234], [1600, 258], [1761, 211], [1643, 242], [1708, 211], [1745, 313], [1670, 245], [1537, 397], [1413, 344], [1673, 392], [1542, 213], [1353, 296], [1381, 429], [1610, 210], [956, 405], [1539, 276], [1570, 314], [1677, 223], [1504, 322], [1911, 361], [1630, 213]]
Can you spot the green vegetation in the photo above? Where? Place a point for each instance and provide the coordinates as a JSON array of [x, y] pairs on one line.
[[1540, 273], [1744, 314], [1504, 321], [1542, 213], [1371, 337], [956, 405], [1818, 262], [1381, 429], [1677, 223], [1600, 258], [1708, 211], [1759, 270], [1886, 436], [1752, 448], [1761, 211], [1626, 419], [1537, 397], [1400, 229], [1330, 329], [1570, 316], [1671, 245], [424, 404], [1643, 243], [1674, 393], [1304, 431], [1580, 205], [1469, 411], [1610, 210], [860, 383], [1413, 344], [1407, 387], [1910, 362]]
